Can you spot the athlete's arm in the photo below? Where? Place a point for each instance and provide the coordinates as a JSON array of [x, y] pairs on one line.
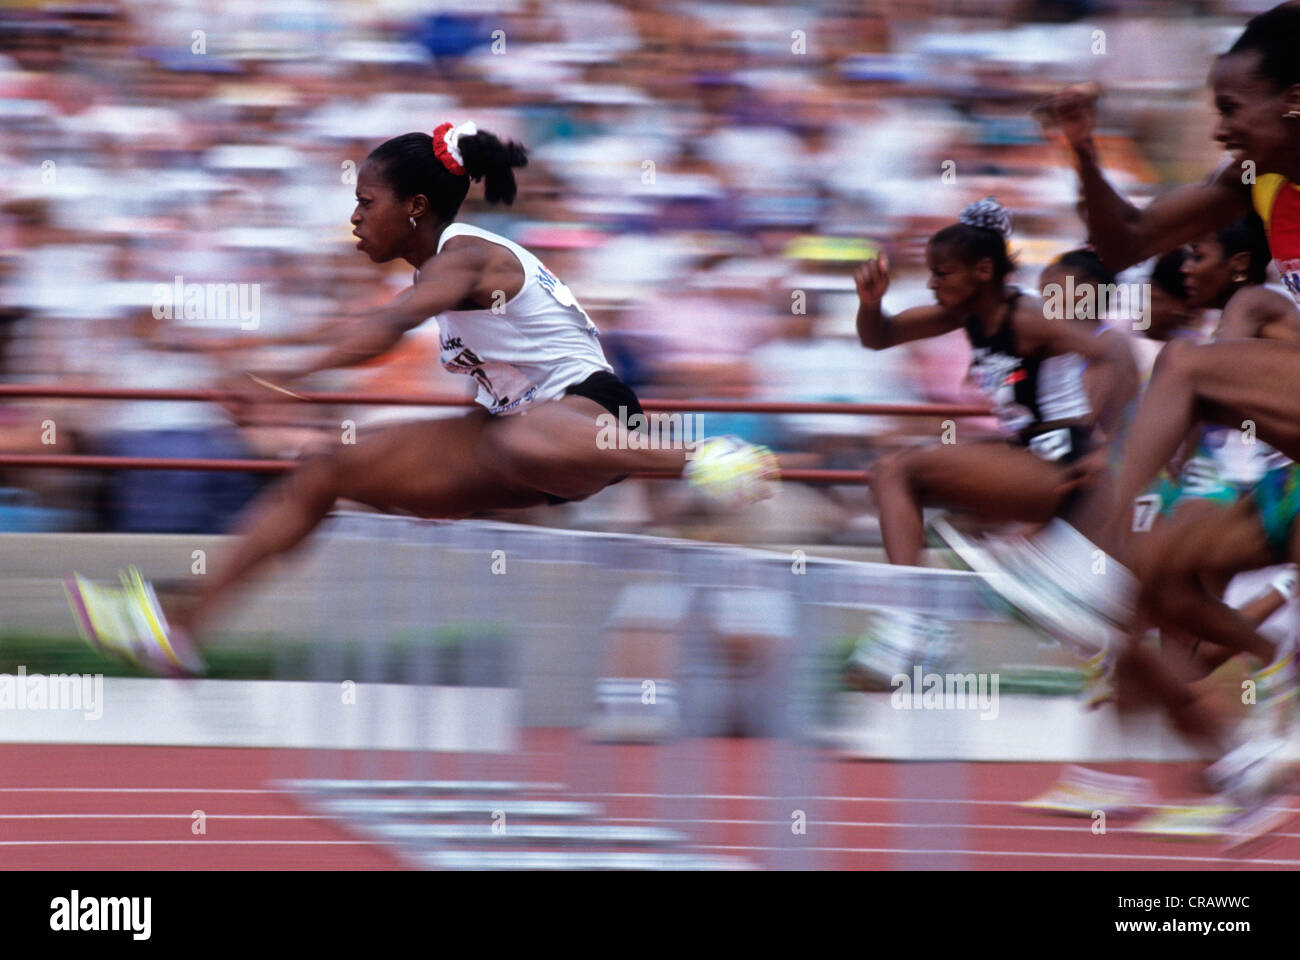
[[1122, 233], [1096, 384], [876, 329], [448, 279], [1210, 656], [1257, 312], [1115, 377]]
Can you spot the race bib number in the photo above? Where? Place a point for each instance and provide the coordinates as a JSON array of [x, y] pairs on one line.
[[1145, 510]]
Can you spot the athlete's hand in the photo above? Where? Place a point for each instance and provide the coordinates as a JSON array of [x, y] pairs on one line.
[[1072, 112], [872, 280], [1085, 471], [246, 391]]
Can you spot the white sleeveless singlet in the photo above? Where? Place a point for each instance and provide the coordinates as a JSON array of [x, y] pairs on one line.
[[529, 348]]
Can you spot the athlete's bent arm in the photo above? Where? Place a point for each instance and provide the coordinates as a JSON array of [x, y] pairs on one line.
[[876, 329], [448, 279], [1124, 235], [1121, 233], [1257, 312]]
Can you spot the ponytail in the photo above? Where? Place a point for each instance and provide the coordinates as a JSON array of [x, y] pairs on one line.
[[442, 166], [493, 162]]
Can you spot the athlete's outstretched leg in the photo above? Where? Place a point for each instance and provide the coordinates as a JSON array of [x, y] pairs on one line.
[[996, 480], [568, 448], [1238, 383], [1211, 542], [431, 469], [1142, 673]]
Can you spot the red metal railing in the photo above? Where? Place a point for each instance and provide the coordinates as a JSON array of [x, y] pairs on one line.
[[86, 462], [53, 392]]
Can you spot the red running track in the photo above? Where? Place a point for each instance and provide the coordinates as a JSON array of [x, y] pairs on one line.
[[114, 807]]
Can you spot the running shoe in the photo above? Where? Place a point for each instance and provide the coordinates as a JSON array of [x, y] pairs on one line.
[[102, 617], [1253, 776], [1023, 583], [1081, 792], [1255, 823], [733, 473], [622, 716], [1275, 690], [1068, 570], [1099, 678], [1203, 820], [897, 642], [178, 654], [128, 622], [610, 726], [1251, 773]]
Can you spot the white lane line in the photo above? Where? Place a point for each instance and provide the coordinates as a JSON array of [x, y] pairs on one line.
[[852, 824], [1012, 804], [163, 816], [1009, 853], [890, 850], [1081, 825], [831, 799]]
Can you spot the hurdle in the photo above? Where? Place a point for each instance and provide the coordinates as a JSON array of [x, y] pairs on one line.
[[545, 794]]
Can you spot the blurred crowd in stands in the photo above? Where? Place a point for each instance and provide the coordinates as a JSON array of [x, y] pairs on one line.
[[703, 175]]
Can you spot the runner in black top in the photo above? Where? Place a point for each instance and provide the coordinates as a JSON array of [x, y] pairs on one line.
[[1027, 362]]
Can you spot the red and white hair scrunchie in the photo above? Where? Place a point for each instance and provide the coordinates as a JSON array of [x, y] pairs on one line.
[[445, 139]]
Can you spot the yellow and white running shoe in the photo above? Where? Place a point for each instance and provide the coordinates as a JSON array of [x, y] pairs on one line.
[[102, 617], [1206, 820], [1081, 792], [128, 622], [733, 473], [1252, 826], [1099, 679], [1276, 689]]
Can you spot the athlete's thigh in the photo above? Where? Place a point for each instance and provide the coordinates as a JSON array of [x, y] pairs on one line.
[[562, 423], [431, 467], [1251, 380], [998, 479], [1222, 540], [1159, 552], [556, 446]]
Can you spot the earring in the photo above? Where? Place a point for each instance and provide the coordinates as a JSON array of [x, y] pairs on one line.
[[1238, 278], [412, 219], [1291, 115]]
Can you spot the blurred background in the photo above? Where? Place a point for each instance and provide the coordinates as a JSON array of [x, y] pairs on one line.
[[703, 175]]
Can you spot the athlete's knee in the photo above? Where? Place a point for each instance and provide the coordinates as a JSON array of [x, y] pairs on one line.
[[319, 478], [891, 471], [1177, 358]]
